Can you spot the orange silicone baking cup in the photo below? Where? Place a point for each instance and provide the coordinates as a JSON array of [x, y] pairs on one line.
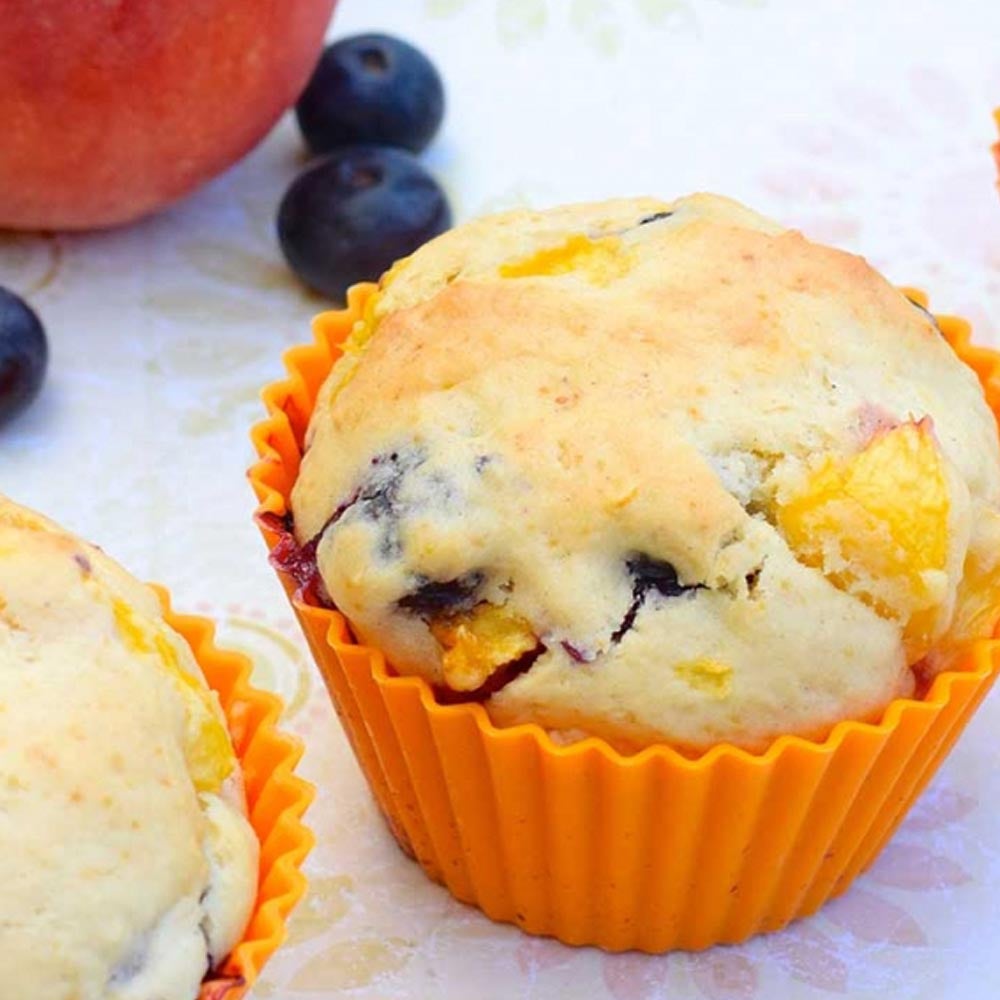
[[995, 148], [276, 800], [654, 851]]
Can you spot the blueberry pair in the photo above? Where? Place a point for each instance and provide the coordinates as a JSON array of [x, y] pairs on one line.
[[373, 101]]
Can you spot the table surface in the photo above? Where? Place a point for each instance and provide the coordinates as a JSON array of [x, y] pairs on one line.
[[865, 124]]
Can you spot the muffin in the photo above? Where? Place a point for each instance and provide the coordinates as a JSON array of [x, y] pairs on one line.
[[648, 553], [128, 864], [653, 472]]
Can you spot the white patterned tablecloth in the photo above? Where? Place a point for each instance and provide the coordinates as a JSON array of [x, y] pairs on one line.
[[867, 124]]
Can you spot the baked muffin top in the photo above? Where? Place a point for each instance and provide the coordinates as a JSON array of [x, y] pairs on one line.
[[127, 862], [653, 471]]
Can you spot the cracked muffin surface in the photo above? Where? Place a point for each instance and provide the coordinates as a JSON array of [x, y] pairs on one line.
[[128, 865], [655, 472]]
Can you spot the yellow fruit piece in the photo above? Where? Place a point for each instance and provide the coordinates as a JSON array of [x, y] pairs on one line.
[[477, 643], [601, 260], [978, 598], [14, 517], [356, 343], [131, 631], [363, 329], [353, 348], [706, 675], [877, 522], [207, 750]]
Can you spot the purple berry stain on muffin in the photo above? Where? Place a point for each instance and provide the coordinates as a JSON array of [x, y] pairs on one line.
[[378, 498], [649, 575], [298, 561], [575, 652]]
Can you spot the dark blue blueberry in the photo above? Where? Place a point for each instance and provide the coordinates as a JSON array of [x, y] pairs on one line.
[[24, 355], [649, 574], [655, 574], [371, 88], [438, 599], [354, 214]]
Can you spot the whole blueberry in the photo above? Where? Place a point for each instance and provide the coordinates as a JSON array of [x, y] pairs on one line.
[[355, 213], [371, 89], [24, 355]]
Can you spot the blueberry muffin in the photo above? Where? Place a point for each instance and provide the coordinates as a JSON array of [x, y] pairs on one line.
[[127, 863], [657, 472]]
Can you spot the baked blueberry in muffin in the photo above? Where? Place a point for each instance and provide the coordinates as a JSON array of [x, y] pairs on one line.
[[655, 472]]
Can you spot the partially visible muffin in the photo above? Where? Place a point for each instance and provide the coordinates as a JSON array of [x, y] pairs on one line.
[[656, 472], [128, 865]]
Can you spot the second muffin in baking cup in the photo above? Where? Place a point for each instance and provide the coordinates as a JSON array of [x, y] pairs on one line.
[[645, 830], [152, 817]]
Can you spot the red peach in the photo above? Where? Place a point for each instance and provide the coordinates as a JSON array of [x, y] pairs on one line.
[[113, 108]]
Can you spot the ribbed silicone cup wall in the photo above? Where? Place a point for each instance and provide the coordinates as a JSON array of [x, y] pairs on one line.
[[276, 800], [655, 851]]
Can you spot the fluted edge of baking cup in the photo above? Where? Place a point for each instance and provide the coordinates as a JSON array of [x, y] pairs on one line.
[[655, 851], [995, 148], [276, 800]]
